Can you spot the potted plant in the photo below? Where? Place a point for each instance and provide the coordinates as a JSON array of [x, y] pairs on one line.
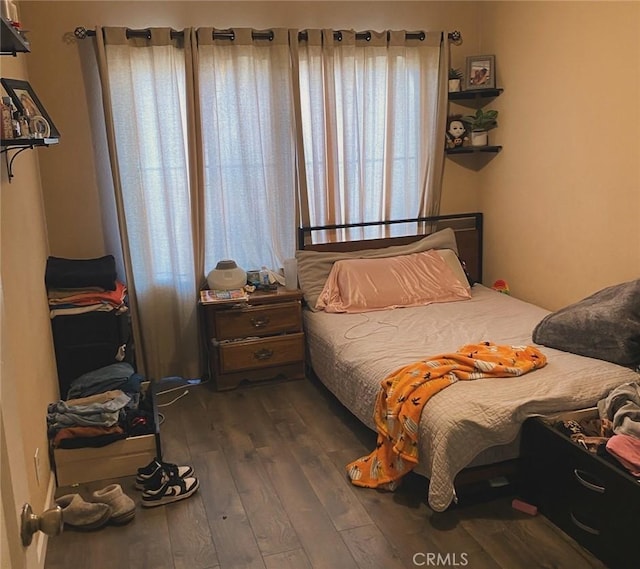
[[480, 124], [455, 77]]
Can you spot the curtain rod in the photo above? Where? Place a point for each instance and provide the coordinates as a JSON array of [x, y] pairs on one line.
[[81, 33]]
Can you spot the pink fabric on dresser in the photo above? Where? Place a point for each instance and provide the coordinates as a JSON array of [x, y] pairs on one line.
[[362, 285], [626, 449]]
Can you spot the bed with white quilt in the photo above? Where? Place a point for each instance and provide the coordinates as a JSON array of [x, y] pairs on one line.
[[358, 333]]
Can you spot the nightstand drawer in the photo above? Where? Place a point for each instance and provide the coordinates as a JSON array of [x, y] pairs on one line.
[[263, 320], [262, 340], [261, 353]]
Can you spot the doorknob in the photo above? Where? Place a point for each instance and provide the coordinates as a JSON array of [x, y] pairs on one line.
[[50, 522]]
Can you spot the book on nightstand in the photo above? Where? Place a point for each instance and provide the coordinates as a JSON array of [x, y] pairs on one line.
[[223, 296]]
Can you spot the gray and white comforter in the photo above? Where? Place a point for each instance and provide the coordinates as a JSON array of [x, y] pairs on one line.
[[471, 422]]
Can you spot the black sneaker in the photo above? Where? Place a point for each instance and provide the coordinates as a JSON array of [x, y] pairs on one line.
[[172, 490], [152, 475]]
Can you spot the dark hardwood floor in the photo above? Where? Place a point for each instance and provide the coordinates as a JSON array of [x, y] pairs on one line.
[[274, 495]]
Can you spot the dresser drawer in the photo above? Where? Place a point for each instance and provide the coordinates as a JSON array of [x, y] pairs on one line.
[[258, 321], [260, 353]]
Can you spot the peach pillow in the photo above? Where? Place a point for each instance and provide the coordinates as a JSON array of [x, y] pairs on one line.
[[362, 285], [314, 266]]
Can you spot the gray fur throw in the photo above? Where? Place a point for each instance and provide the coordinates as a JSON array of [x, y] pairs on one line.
[[605, 325]]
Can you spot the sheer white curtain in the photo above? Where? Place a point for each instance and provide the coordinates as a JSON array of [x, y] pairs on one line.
[[370, 110], [248, 147], [147, 103], [217, 138]]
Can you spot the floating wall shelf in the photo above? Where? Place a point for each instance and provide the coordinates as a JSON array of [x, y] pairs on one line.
[[12, 41], [18, 145], [476, 98], [473, 149], [474, 95]]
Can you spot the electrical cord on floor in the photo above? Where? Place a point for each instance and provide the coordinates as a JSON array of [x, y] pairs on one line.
[[170, 390], [185, 392], [188, 384]]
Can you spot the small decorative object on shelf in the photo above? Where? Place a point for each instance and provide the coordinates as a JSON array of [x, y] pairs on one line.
[[455, 79], [481, 72], [479, 124], [12, 38], [6, 119], [28, 105], [457, 134]]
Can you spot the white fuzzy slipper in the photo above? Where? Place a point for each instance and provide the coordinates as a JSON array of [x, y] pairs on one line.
[[80, 514], [123, 508]]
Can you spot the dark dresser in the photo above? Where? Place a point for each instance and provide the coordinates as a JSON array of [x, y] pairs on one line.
[[592, 498]]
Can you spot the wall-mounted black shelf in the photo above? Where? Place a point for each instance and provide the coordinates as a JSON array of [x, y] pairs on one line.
[[473, 149], [476, 98], [19, 145], [472, 94], [12, 41]]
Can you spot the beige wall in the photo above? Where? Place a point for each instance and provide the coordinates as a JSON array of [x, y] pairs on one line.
[[27, 350], [562, 200]]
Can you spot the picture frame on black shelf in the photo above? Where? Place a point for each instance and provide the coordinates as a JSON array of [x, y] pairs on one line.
[[28, 103], [481, 72]]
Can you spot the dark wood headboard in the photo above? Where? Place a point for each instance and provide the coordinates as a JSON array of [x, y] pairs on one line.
[[467, 227]]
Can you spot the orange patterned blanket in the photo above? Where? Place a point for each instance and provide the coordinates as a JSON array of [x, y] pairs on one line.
[[405, 392]]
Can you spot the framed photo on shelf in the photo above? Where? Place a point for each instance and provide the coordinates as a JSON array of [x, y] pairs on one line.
[[28, 104], [481, 72]]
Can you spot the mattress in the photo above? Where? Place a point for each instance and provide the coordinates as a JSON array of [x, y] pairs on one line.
[[470, 422]]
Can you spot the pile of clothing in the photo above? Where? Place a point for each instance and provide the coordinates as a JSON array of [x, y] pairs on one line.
[[78, 286], [615, 433], [102, 406]]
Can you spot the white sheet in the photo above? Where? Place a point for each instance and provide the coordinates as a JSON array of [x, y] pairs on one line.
[[353, 353]]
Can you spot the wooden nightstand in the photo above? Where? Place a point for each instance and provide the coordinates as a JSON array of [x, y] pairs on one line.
[[255, 341]]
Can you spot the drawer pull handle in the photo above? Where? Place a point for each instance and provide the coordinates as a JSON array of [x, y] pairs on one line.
[[579, 474], [263, 354], [584, 527], [260, 322]]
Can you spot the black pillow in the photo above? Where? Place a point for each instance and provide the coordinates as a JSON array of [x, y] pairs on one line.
[[605, 325]]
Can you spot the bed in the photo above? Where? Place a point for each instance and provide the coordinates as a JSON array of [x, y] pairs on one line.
[[471, 423]]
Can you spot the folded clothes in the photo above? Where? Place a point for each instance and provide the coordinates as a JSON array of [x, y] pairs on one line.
[[62, 292], [97, 398], [114, 376], [113, 404], [79, 437], [75, 310], [113, 297]]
